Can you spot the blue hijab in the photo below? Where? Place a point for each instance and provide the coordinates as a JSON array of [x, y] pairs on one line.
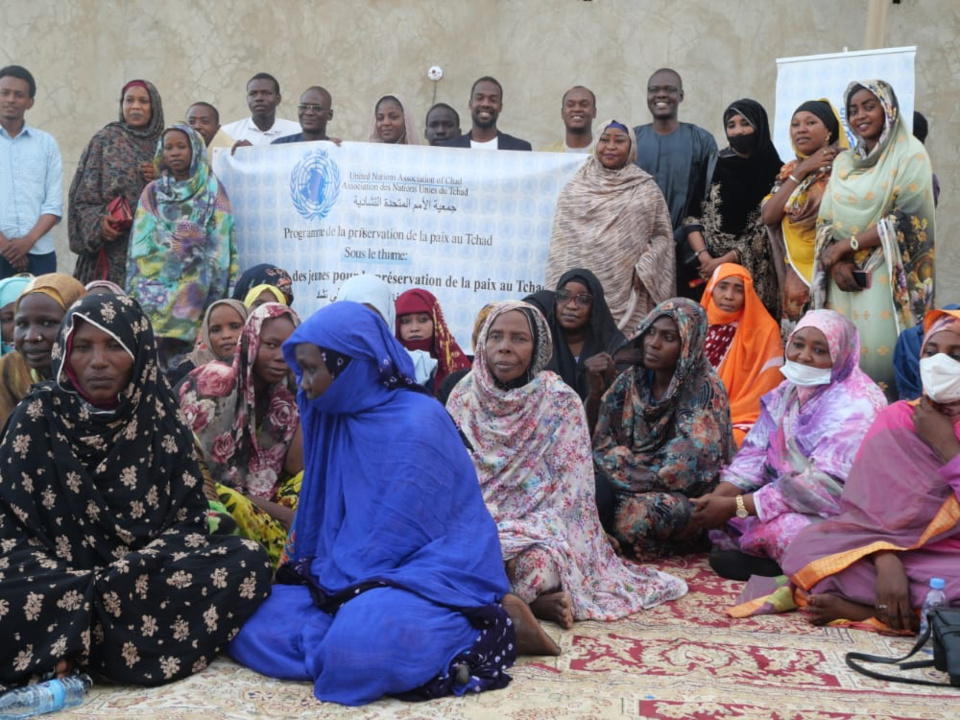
[[389, 492]]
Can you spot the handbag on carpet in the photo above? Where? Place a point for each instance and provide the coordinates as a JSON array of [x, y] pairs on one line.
[[944, 627]]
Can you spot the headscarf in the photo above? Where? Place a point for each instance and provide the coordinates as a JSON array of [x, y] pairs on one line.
[[531, 449], [203, 352], [110, 287], [219, 401], [442, 346], [751, 366], [601, 331], [687, 433], [63, 288], [108, 168], [936, 320], [389, 493], [890, 187], [10, 289], [410, 135], [616, 224], [368, 289], [264, 274], [257, 290], [182, 252], [906, 358]]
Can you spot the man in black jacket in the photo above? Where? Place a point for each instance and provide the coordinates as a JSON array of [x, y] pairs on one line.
[[486, 101]]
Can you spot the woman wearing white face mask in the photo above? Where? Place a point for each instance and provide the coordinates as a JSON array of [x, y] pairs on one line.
[[897, 525], [792, 466]]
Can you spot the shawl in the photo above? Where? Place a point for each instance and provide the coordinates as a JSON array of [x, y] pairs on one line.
[[616, 224], [531, 450], [809, 447], [202, 352], [264, 274], [751, 365], [682, 439], [106, 286], [182, 253], [389, 494], [109, 167], [889, 187], [219, 401], [10, 289], [443, 346], [602, 333], [410, 135], [368, 289]]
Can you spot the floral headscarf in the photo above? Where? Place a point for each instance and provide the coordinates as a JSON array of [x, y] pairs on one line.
[[264, 274]]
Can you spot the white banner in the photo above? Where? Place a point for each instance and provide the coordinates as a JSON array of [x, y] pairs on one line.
[[827, 76], [470, 226]]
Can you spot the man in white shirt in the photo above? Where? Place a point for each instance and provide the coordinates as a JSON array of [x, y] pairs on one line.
[[263, 126], [578, 110]]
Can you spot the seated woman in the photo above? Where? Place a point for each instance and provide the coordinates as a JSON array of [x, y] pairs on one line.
[[792, 467], [790, 210], [531, 449], [106, 553], [612, 219], [10, 289], [219, 336], [372, 292], [392, 582], [743, 344], [244, 415], [663, 433], [392, 124], [37, 315], [264, 274], [580, 323], [422, 330], [897, 525], [182, 253]]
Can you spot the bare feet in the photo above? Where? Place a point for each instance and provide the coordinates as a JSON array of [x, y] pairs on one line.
[[531, 638], [555, 607], [826, 608], [64, 668], [615, 544]]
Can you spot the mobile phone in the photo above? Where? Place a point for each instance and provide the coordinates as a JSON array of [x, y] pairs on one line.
[[861, 278]]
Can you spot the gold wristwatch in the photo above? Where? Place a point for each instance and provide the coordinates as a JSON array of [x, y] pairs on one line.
[[741, 508]]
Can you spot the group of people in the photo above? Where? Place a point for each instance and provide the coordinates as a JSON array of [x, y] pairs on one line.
[[351, 499]]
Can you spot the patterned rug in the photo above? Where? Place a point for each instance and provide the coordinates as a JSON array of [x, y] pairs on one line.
[[681, 660]]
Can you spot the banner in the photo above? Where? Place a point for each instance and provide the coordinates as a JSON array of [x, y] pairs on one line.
[[826, 76], [470, 226]]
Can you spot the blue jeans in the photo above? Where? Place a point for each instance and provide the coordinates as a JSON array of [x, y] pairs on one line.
[[36, 265]]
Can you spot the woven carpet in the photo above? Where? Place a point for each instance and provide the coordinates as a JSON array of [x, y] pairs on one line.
[[681, 660]]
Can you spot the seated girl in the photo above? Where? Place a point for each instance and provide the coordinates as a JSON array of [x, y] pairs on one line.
[[580, 323], [422, 330], [219, 335], [792, 467], [245, 417], [106, 553], [897, 525], [743, 344], [531, 449], [258, 276], [662, 435], [37, 315], [392, 582]]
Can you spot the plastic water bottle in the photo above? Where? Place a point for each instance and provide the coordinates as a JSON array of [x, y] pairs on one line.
[[935, 598], [44, 697]]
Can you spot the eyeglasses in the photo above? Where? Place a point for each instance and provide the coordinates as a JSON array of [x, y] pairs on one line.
[[311, 108], [582, 299], [671, 89]]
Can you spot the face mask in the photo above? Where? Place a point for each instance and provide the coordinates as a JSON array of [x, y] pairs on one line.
[[806, 375], [744, 144], [940, 375]]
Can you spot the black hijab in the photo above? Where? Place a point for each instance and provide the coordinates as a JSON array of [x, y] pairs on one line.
[[601, 331]]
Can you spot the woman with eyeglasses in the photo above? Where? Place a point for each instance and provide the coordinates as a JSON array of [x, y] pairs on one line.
[[581, 324]]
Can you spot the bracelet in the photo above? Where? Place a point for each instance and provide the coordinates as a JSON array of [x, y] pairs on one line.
[[792, 177], [701, 252]]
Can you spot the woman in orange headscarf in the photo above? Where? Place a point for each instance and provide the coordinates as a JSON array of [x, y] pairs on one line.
[[743, 343]]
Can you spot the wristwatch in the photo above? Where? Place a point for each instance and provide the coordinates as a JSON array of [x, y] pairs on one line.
[[854, 243], [741, 508]]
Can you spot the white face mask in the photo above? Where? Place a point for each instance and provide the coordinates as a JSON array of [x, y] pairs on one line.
[[805, 375], [940, 375]]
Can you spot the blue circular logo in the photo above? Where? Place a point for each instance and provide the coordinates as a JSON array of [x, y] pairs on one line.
[[315, 185]]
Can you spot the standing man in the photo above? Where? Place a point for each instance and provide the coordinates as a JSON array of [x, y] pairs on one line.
[[675, 153], [31, 180], [315, 111], [486, 101], [443, 123], [263, 126], [205, 119], [578, 110]]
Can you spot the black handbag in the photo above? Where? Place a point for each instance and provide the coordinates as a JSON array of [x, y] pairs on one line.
[[944, 627]]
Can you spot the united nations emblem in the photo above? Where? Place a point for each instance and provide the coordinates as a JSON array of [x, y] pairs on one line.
[[315, 185]]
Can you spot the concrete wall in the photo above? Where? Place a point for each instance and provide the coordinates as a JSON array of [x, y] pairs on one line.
[[82, 51]]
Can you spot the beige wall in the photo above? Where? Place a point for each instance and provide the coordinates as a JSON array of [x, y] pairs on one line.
[[82, 51]]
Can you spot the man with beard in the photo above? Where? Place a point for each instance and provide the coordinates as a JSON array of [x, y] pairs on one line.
[[315, 111], [578, 110], [486, 101], [263, 126]]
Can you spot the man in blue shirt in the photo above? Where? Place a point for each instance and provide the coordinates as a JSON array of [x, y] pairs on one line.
[[31, 179]]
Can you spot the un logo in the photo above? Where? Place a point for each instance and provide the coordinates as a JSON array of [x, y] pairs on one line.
[[315, 185]]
